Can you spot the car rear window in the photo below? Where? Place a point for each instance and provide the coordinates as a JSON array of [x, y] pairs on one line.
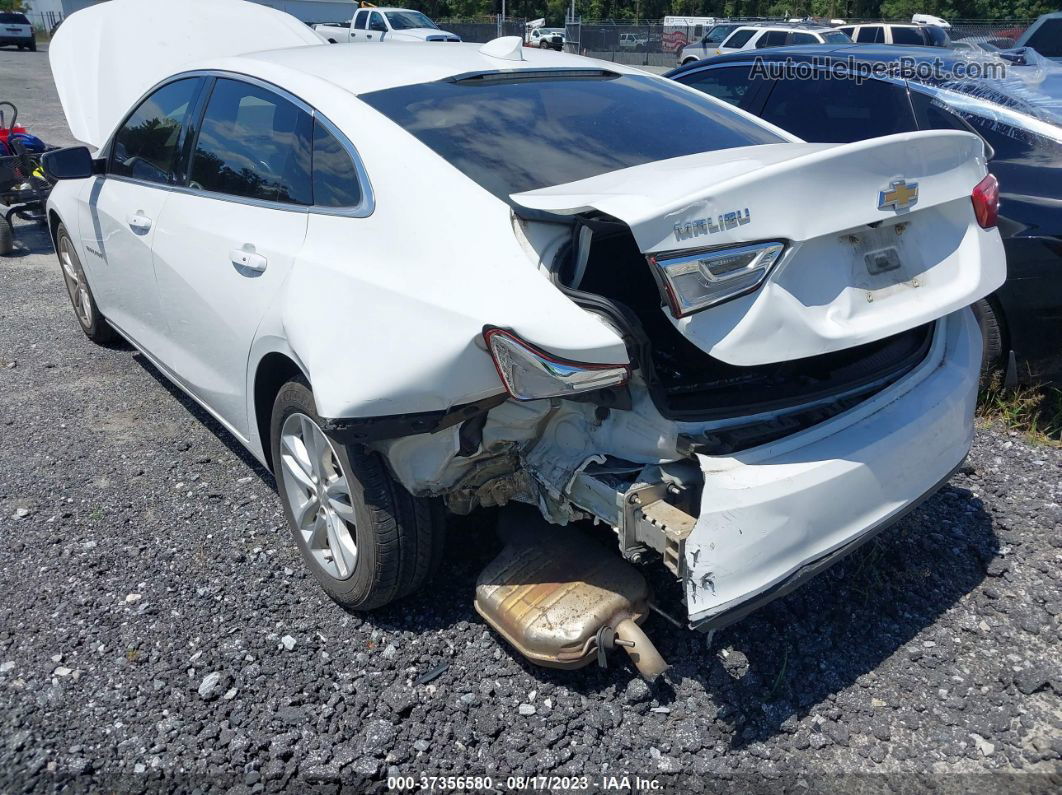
[[1047, 39], [14, 19], [548, 128], [836, 37]]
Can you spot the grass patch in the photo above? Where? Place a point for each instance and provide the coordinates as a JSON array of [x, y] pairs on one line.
[[1033, 411]]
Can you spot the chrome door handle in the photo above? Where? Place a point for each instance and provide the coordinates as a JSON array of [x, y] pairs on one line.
[[139, 222], [242, 258]]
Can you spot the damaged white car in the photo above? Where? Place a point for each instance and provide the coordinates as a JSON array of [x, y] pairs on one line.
[[488, 275]]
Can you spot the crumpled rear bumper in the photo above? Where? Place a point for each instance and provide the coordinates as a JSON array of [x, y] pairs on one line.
[[774, 515]]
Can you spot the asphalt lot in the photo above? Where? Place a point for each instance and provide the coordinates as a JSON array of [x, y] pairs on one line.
[[157, 629]]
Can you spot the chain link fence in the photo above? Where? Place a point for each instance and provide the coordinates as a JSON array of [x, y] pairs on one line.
[[656, 44], [483, 30]]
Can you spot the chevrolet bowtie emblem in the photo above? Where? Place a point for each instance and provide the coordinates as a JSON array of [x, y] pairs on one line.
[[900, 195]]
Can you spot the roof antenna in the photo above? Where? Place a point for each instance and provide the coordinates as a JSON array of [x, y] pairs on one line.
[[508, 48]]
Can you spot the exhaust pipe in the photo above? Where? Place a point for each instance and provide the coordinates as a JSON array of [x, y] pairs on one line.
[[564, 601]]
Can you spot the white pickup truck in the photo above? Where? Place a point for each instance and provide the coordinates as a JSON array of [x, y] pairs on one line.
[[385, 24]]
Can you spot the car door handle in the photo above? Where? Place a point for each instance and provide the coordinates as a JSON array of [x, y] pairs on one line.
[[252, 261], [139, 222]]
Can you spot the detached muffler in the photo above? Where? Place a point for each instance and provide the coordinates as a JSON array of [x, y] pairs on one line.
[[562, 600]]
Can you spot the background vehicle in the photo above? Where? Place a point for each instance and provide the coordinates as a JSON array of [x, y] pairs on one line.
[[758, 35], [385, 24], [681, 31], [929, 19], [1022, 321], [892, 33], [547, 38], [633, 41], [708, 43], [15, 29]]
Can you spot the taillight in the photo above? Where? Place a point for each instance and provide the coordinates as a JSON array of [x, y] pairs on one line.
[[985, 198], [529, 373], [698, 280]]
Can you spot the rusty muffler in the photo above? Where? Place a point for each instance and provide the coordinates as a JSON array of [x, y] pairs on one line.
[[562, 600]]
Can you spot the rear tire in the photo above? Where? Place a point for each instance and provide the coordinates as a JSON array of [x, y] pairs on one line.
[[393, 541], [88, 315], [992, 338], [33, 47]]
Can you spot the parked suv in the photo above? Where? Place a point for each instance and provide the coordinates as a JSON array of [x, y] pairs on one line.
[[16, 29], [888, 33], [708, 43], [756, 36]]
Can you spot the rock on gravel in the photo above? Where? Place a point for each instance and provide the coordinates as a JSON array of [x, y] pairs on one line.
[[932, 651]]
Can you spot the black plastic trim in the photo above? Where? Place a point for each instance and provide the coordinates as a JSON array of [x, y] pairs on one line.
[[359, 430]]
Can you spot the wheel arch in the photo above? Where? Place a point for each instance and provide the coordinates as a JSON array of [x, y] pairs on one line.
[[273, 370]]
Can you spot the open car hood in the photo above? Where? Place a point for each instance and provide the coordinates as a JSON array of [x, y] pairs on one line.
[[826, 292], [105, 57]]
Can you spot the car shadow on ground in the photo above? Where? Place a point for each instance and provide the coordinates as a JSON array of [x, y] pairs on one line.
[[784, 659], [30, 238], [211, 424]]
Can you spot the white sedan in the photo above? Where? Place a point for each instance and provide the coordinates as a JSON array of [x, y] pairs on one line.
[[488, 274]]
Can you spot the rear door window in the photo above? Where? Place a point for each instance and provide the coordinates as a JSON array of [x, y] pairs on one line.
[[771, 38], [907, 36], [253, 144], [739, 38], [146, 146], [839, 110], [870, 34], [335, 178]]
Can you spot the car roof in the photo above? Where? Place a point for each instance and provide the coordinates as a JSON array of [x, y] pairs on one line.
[[872, 53], [361, 68], [814, 26]]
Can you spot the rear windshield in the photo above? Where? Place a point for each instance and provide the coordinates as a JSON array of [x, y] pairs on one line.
[[511, 135], [14, 19], [835, 37]]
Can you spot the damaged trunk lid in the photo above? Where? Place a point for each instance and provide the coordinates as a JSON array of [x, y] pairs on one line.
[[876, 237]]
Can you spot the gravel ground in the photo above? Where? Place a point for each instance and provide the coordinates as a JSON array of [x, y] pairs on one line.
[[157, 629]]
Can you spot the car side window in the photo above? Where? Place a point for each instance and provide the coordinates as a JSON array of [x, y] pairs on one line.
[[847, 31], [871, 34], [907, 36], [376, 22], [839, 110], [254, 144], [801, 38], [772, 38], [361, 19], [739, 38], [729, 84], [335, 178], [146, 146]]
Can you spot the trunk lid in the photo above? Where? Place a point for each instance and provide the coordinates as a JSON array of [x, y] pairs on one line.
[[858, 266]]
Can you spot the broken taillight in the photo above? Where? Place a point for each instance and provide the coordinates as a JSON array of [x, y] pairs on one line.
[[985, 198], [529, 373]]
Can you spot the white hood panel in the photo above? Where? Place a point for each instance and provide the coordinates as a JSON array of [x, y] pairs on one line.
[[822, 200], [105, 57]]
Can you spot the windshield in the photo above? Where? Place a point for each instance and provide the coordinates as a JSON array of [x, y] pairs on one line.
[[14, 19], [406, 20], [551, 127], [836, 37]]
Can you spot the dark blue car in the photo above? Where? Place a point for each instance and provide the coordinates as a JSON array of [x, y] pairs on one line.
[[845, 93]]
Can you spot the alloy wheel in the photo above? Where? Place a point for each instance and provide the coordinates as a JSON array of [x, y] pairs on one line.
[[75, 284], [318, 494]]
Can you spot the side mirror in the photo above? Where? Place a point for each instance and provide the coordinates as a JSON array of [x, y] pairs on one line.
[[73, 162]]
